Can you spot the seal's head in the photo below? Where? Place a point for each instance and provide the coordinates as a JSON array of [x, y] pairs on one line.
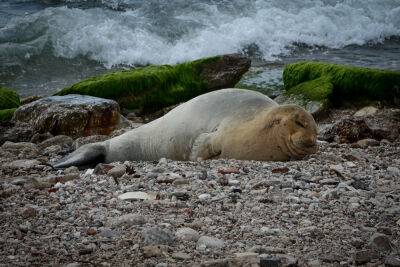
[[298, 131]]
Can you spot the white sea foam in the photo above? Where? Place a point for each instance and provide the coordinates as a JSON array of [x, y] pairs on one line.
[[167, 34]]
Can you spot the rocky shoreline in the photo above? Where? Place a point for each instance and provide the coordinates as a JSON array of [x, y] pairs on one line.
[[339, 207]]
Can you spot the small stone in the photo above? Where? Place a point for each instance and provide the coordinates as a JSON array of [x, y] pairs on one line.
[[229, 170], [247, 259], [392, 261], [233, 182], [187, 234], [181, 195], [280, 170], [381, 242], [91, 231], [152, 251], [22, 164], [181, 256], [71, 169], [277, 260], [180, 181], [60, 140], [88, 249], [394, 171], [314, 263], [210, 242], [223, 180], [128, 220], [204, 197], [25, 227], [364, 256], [270, 231], [29, 212], [108, 233], [157, 235], [117, 171], [366, 111], [329, 181], [364, 143], [138, 195]]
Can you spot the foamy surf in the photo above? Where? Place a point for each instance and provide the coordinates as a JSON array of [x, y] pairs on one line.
[[132, 32]]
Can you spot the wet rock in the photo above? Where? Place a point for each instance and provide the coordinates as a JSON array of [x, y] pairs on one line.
[[72, 115], [157, 236], [210, 242], [225, 72], [381, 242], [187, 234]]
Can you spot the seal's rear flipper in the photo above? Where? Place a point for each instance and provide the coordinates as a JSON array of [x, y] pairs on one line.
[[86, 156]]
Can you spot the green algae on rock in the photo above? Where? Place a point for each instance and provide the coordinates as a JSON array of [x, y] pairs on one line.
[[335, 84], [9, 101], [7, 114], [154, 87]]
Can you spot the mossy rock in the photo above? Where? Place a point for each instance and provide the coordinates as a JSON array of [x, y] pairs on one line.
[[154, 87], [336, 84], [8, 99], [7, 114]]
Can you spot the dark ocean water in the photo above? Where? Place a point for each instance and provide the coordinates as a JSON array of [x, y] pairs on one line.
[[46, 45]]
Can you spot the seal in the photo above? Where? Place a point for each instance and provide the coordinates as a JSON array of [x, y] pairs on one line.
[[228, 123]]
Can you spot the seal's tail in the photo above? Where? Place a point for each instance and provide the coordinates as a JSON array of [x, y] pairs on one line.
[[85, 156]]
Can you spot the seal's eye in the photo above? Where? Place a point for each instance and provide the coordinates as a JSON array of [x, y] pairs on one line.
[[299, 123]]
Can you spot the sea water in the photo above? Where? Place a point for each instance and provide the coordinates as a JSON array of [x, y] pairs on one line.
[[46, 45]]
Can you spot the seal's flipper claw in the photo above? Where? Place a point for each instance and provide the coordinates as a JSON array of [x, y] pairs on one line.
[[85, 156]]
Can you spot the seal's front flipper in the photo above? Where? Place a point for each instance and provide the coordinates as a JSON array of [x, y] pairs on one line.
[[85, 156], [205, 147]]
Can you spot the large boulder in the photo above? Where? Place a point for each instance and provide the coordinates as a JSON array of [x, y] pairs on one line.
[[72, 115], [151, 88]]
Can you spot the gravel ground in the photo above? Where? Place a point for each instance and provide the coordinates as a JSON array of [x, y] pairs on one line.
[[339, 207]]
